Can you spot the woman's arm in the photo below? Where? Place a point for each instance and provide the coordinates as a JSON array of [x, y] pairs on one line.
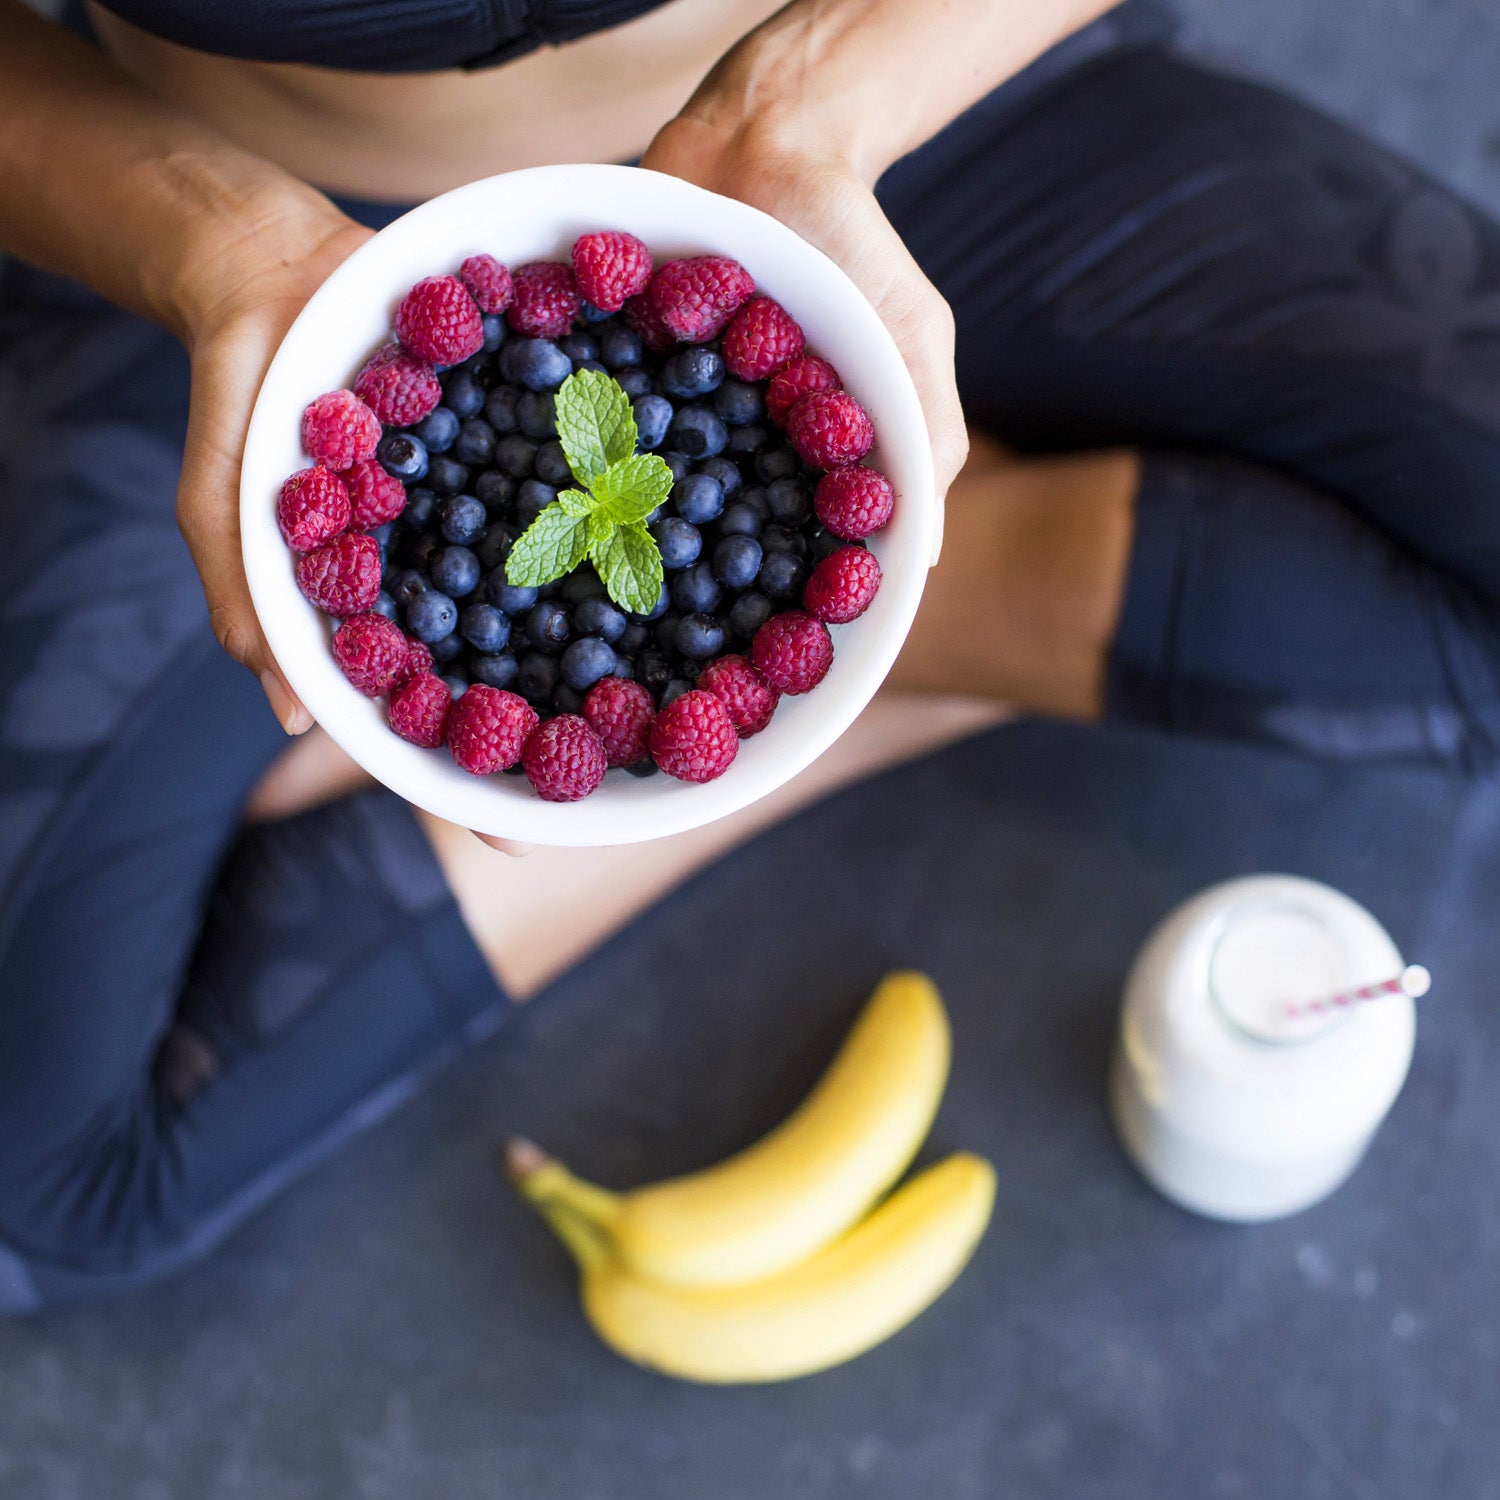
[[102, 182], [802, 116]]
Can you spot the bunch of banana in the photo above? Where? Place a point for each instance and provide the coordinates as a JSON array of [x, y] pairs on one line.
[[787, 1258]]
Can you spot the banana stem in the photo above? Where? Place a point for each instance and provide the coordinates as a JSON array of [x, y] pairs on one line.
[[543, 1179], [584, 1241]]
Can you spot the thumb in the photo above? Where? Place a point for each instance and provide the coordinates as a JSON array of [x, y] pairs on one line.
[[227, 371]]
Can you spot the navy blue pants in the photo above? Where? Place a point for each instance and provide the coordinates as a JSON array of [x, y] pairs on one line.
[[1300, 332]]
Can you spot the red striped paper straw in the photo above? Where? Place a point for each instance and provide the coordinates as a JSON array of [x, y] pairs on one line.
[[1413, 980]]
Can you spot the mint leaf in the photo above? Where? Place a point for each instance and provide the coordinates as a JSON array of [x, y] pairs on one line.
[[631, 489], [628, 560], [595, 424], [554, 544], [576, 502]]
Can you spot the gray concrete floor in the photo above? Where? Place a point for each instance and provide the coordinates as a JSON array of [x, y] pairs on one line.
[[238, 1381]]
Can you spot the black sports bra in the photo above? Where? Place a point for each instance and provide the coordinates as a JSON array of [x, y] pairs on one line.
[[376, 36]]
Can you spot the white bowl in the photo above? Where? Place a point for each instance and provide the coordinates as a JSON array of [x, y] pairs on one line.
[[537, 214]]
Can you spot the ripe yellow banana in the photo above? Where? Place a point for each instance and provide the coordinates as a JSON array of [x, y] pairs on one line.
[[792, 1192], [845, 1299]]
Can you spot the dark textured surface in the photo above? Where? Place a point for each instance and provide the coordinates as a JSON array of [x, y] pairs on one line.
[[401, 1327]]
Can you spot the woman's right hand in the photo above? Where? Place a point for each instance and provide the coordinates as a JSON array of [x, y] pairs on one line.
[[233, 297]]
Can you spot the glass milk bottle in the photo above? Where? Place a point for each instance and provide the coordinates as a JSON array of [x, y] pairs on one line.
[[1235, 1091]]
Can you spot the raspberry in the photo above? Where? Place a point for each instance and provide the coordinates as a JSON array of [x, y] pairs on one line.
[[610, 266], [750, 699], [761, 337], [794, 381], [792, 651], [854, 502], [397, 386], [830, 429], [564, 759], [640, 318], [371, 653], [377, 496], [696, 297], [547, 300], [312, 508], [342, 577], [439, 320], [488, 283], [842, 586], [418, 710], [620, 713], [694, 738], [339, 429], [418, 659], [488, 728]]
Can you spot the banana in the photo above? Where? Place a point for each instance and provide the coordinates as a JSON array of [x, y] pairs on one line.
[[792, 1192], [843, 1300]]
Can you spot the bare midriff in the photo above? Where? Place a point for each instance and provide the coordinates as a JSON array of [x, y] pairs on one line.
[[405, 136]]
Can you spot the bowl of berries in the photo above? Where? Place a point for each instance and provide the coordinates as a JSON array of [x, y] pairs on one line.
[[583, 506]]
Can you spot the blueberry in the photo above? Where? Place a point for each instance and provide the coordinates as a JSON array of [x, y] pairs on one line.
[[567, 700], [748, 613], [582, 584], [500, 408], [417, 549], [494, 547], [664, 633], [755, 494], [463, 395], [790, 501], [782, 539], [385, 605], [653, 670], [591, 314], [591, 364], [403, 455], [538, 364], [552, 464], [494, 331], [461, 519], [726, 471], [537, 679], [383, 533], [679, 541], [586, 661], [632, 640], [455, 570], [679, 463], [634, 382], [643, 767], [515, 455], [484, 628], [825, 544], [446, 649], [740, 520], [700, 637], [653, 415], [536, 415], [431, 616], [739, 403], [777, 461], [406, 584], [736, 561], [456, 684], [691, 373], [476, 443], [532, 499], [509, 598], [695, 590], [747, 440], [697, 432], [498, 671], [619, 347], [781, 575], [673, 691], [697, 498], [446, 476], [658, 609], [420, 502], [579, 346], [599, 617], [547, 625], [497, 490], [438, 429]]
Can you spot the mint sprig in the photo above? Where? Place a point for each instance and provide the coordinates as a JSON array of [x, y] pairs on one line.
[[604, 520]]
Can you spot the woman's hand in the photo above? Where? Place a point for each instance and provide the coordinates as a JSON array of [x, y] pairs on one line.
[[821, 195], [237, 296]]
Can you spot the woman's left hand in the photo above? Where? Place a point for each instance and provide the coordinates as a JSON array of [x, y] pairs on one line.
[[826, 200]]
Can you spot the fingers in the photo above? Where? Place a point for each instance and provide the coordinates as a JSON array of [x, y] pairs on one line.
[[227, 370]]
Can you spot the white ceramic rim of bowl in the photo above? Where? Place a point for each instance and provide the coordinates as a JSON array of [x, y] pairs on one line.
[[536, 214]]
